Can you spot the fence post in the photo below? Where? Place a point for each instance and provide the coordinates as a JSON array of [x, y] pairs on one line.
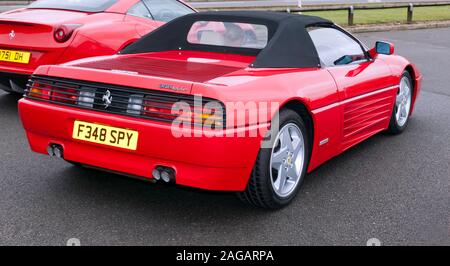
[[410, 13], [350, 15]]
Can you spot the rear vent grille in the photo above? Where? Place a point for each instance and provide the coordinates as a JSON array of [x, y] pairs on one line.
[[133, 102]]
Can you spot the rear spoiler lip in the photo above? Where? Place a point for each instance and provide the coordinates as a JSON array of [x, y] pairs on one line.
[[24, 23], [34, 23], [63, 9]]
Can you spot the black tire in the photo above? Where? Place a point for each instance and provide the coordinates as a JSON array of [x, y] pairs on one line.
[[259, 191], [394, 127]]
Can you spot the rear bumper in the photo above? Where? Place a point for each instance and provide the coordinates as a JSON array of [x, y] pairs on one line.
[[17, 70], [39, 56], [212, 163]]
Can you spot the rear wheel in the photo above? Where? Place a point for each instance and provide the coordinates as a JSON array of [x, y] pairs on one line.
[[402, 108], [279, 171]]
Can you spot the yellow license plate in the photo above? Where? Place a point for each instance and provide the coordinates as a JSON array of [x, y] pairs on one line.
[[15, 56], [106, 135]]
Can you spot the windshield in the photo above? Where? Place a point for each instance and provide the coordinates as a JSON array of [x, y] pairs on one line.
[[76, 5], [229, 34]]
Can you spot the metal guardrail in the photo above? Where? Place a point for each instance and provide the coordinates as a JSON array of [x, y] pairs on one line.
[[351, 9], [15, 2], [276, 4]]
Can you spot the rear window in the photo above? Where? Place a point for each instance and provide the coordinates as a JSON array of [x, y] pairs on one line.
[[77, 5], [229, 34]]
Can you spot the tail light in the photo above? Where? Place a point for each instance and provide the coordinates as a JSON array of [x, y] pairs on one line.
[[158, 109], [63, 32], [210, 113], [39, 90], [56, 93], [65, 94], [86, 97], [135, 104]]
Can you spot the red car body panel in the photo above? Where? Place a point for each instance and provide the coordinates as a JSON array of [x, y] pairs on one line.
[[347, 105], [103, 33]]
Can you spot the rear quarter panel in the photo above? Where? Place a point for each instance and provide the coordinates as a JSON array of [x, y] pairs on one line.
[[102, 34], [314, 88]]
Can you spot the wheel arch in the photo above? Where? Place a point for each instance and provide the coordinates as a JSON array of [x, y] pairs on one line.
[[410, 69], [302, 109]]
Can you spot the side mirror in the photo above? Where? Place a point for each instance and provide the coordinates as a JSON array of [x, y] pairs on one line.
[[384, 48]]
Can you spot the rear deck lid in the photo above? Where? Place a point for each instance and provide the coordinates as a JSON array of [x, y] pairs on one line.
[[187, 66], [41, 16]]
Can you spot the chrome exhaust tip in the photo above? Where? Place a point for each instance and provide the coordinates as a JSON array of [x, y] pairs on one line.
[[58, 151], [166, 174], [55, 150], [50, 150], [156, 174]]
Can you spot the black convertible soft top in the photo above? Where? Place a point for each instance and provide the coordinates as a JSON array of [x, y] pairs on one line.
[[289, 46]]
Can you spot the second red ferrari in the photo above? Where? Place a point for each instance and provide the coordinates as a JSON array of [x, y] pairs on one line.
[[54, 31]]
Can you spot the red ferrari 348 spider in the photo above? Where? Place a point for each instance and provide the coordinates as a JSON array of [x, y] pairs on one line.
[[217, 108], [54, 31]]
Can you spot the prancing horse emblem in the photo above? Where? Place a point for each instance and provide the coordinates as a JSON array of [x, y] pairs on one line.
[[107, 99], [12, 35]]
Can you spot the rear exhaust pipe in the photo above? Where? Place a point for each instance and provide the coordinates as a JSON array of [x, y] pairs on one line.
[[55, 150], [166, 174], [58, 151], [156, 173], [50, 150]]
